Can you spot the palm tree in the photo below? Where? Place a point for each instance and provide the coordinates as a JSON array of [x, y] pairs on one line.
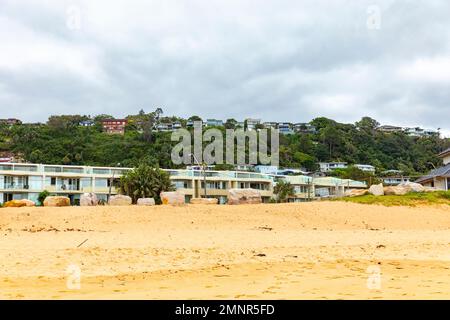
[[145, 181], [283, 190]]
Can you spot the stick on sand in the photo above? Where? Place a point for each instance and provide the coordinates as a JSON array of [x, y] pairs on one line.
[[82, 243]]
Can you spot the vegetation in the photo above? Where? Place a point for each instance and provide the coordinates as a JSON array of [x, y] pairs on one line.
[[410, 199], [355, 173], [41, 198], [283, 190], [62, 140], [145, 181]]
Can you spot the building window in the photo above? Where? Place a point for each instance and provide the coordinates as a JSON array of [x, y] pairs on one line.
[[53, 181]]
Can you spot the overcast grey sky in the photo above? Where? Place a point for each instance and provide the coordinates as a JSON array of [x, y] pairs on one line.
[[276, 60]]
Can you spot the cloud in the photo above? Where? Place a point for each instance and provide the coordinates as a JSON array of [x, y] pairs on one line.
[[283, 61]]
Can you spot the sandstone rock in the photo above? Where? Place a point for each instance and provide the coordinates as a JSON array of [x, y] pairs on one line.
[[88, 200], [28, 203], [244, 196], [395, 190], [56, 201], [376, 189], [146, 202], [356, 192], [413, 187], [120, 200], [204, 201], [14, 204], [174, 198]]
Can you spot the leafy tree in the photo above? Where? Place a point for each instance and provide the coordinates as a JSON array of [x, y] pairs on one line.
[[42, 196], [283, 190], [145, 181]]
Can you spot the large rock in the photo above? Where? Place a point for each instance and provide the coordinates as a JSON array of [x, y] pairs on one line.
[[244, 196], [14, 204], [173, 197], [413, 187], [204, 201], [28, 203], [376, 189], [356, 192], [146, 202], [120, 200], [88, 200], [56, 201], [395, 190]]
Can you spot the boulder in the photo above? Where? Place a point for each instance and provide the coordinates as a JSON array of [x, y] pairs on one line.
[[56, 201], [28, 203], [15, 204], [356, 192], [146, 202], [395, 190], [120, 200], [204, 201], [173, 197], [413, 187], [88, 199], [376, 189], [244, 196]]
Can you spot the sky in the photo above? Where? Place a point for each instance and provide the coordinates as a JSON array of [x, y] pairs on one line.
[[277, 60]]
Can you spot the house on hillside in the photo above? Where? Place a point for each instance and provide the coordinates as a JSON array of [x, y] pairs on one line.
[[390, 129], [440, 177], [365, 167], [10, 121], [330, 166]]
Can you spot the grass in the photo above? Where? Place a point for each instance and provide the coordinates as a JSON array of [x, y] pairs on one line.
[[410, 199]]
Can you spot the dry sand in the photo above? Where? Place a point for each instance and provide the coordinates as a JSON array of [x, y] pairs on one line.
[[318, 250]]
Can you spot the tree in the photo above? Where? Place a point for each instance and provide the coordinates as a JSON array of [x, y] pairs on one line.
[[145, 181], [283, 190], [230, 124], [42, 196]]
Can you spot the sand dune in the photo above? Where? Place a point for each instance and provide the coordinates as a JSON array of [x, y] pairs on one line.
[[321, 250]]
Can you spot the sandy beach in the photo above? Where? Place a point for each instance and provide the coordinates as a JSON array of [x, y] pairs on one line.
[[320, 250]]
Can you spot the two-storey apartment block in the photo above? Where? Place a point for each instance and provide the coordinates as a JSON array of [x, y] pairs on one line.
[[26, 181], [308, 188], [114, 126]]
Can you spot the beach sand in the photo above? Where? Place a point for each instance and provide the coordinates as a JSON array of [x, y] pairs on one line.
[[319, 250]]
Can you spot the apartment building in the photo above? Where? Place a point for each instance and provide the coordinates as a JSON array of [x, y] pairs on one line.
[[311, 188], [26, 181], [252, 123]]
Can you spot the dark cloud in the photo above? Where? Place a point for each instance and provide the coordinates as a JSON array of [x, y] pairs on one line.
[[280, 60]]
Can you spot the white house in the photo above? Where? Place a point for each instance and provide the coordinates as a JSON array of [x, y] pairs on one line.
[[365, 167], [330, 166], [439, 178]]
